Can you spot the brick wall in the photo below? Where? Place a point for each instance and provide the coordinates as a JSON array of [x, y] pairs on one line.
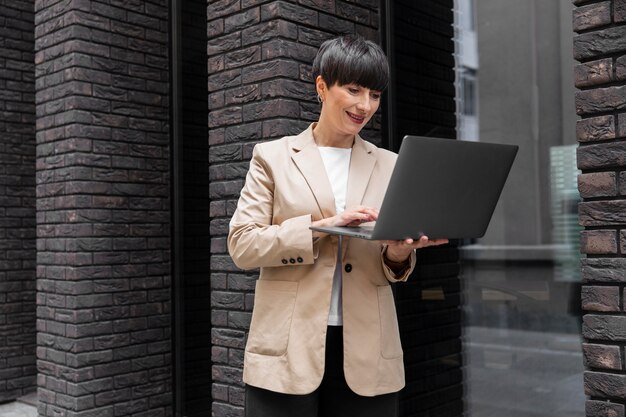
[[600, 78], [424, 64], [429, 303], [103, 217], [260, 88], [17, 200]]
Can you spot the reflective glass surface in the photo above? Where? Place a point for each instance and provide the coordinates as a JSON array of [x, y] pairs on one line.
[[521, 309]]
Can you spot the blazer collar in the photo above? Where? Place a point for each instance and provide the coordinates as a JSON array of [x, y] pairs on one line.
[[307, 158]]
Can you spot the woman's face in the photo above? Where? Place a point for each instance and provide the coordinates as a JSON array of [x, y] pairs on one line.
[[347, 108]]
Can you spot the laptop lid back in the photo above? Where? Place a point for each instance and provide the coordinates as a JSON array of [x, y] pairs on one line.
[[443, 188]]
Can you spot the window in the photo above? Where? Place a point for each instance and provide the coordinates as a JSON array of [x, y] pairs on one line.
[[521, 280], [469, 100]]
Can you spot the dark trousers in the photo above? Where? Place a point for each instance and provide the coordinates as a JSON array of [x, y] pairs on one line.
[[332, 399]]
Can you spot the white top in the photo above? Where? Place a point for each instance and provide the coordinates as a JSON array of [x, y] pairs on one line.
[[337, 164]]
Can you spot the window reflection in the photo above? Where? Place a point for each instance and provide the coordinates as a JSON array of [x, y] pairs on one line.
[[521, 340]]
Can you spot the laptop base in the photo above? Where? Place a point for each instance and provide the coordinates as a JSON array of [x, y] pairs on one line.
[[361, 232]]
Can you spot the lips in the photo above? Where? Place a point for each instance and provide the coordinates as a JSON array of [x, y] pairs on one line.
[[355, 118]]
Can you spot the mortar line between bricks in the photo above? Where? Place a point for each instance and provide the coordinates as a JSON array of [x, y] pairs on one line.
[[606, 370], [603, 141], [600, 284], [590, 228], [612, 13], [607, 400], [604, 200], [602, 342], [601, 255], [615, 313]]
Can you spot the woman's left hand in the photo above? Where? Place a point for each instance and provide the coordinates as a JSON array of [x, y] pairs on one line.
[[399, 250]]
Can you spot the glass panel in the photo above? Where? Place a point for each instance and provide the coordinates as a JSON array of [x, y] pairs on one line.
[[522, 283]]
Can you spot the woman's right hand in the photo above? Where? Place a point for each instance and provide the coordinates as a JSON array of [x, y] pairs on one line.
[[351, 217]]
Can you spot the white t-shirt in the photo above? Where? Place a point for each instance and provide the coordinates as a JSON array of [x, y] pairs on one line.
[[337, 164]]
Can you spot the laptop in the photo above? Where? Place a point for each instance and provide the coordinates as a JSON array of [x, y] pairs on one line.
[[441, 188]]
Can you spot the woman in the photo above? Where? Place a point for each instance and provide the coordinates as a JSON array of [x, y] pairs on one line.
[[324, 336]]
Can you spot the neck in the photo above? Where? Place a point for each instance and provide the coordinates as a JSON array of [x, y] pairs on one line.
[[325, 137]]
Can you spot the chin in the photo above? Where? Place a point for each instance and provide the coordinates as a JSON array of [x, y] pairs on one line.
[[355, 128]]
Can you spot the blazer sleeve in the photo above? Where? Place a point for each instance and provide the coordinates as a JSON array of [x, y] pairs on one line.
[[390, 275], [253, 241]]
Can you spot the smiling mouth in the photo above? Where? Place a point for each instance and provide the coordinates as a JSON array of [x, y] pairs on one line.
[[355, 118]]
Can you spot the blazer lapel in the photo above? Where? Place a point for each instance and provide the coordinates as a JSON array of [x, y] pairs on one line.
[[309, 161], [361, 167]]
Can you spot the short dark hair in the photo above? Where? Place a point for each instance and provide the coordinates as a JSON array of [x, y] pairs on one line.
[[352, 59]]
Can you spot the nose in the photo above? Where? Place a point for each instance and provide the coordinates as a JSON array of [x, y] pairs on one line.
[[365, 103]]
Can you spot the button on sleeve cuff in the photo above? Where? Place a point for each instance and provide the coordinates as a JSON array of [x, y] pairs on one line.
[[287, 244]]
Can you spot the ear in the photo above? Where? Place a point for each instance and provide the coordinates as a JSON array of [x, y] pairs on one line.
[[320, 86]]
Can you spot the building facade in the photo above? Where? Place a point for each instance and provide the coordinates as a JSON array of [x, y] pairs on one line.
[[126, 130]]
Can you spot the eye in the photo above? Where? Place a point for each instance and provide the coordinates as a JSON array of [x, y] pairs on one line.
[[353, 90], [375, 95]]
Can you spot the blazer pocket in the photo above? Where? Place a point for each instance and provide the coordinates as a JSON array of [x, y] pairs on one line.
[[274, 302], [390, 345]]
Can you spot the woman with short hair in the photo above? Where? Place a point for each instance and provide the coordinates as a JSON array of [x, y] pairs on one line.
[[324, 338]]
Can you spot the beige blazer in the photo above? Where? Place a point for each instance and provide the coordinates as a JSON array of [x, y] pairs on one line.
[[285, 190]]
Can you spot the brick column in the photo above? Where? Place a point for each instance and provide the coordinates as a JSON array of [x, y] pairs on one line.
[[103, 208], [17, 200], [260, 88], [601, 103]]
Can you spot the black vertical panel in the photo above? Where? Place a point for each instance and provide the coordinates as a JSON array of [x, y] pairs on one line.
[[196, 243], [18, 229], [429, 315], [419, 39], [420, 45], [192, 249]]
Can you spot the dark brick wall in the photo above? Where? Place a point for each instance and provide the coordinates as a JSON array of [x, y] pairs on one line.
[[424, 63], [17, 200], [259, 61], [103, 208], [600, 78], [429, 304]]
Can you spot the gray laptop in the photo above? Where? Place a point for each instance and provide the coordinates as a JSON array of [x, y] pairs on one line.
[[441, 188]]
